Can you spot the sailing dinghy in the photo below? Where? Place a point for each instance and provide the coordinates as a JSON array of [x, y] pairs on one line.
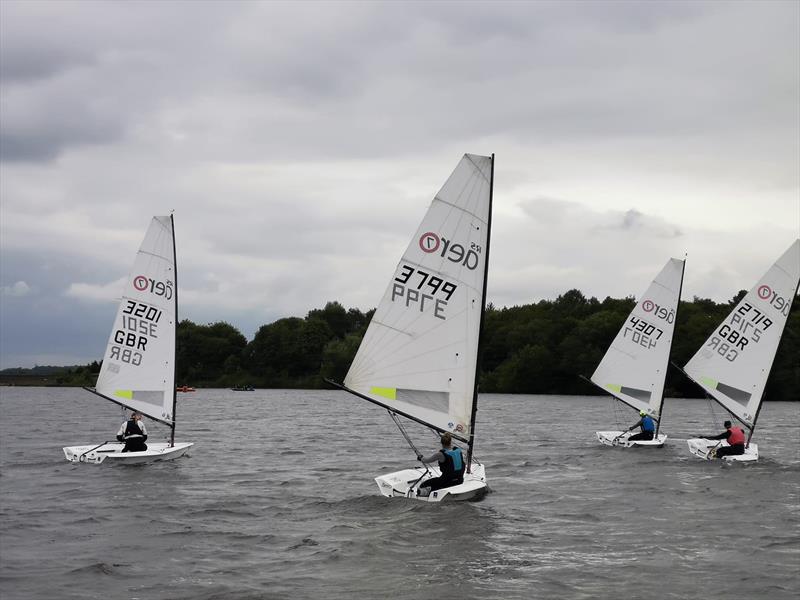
[[734, 363], [634, 368], [138, 370], [419, 355]]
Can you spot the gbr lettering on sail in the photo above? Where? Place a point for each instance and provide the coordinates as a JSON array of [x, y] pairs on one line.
[[138, 322], [748, 323]]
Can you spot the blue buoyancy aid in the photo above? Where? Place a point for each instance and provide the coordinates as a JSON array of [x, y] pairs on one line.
[[648, 424], [453, 465]]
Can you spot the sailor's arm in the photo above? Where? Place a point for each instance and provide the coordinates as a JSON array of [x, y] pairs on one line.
[[635, 425], [433, 458]]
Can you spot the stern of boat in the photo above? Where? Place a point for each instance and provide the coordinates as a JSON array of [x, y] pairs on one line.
[[620, 438], [406, 483], [610, 438], [701, 448]]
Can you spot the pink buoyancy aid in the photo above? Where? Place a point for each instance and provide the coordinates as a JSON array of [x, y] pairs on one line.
[[735, 436]]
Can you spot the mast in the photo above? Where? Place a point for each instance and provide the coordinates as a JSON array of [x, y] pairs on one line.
[[471, 442], [175, 353], [677, 308]]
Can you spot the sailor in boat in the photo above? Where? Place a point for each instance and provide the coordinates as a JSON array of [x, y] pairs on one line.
[[647, 425], [451, 465], [735, 438], [133, 433]]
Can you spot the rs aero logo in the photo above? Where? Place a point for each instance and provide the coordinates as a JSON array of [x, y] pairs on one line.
[[431, 243], [159, 288], [768, 295], [658, 311]]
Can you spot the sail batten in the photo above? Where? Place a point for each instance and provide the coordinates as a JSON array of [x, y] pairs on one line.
[[734, 363], [634, 368], [127, 406], [423, 339]]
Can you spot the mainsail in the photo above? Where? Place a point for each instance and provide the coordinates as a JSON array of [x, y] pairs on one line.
[[419, 355], [734, 363], [635, 366], [139, 363]]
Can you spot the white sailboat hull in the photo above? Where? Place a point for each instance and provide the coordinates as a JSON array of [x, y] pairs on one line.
[[702, 447], [406, 483], [112, 452], [620, 438]]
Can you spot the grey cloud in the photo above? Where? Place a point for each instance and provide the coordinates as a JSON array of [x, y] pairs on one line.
[[360, 79], [633, 220], [18, 289], [554, 211], [300, 143], [28, 134]]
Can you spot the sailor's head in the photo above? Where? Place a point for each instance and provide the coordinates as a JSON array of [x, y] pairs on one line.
[[727, 424], [642, 413], [446, 440], [136, 415]]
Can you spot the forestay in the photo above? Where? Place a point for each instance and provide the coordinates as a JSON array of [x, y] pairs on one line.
[[734, 363], [419, 354], [138, 365], [635, 366]]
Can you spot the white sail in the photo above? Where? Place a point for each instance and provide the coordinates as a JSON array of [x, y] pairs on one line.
[[735, 361], [139, 364], [635, 366], [419, 354]]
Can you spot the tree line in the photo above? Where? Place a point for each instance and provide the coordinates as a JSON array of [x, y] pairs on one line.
[[539, 348]]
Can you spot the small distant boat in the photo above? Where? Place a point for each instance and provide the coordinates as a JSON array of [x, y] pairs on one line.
[[243, 388], [138, 369], [634, 368], [418, 358], [734, 363], [185, 388]]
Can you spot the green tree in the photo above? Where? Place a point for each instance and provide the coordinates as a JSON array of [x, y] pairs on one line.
[[202, 351]]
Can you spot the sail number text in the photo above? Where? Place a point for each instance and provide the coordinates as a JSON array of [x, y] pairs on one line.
[[746, 325], [641, 332], [418, 287], [139, 324]]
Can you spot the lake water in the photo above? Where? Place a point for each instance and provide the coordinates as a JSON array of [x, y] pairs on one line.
[[277, 501]]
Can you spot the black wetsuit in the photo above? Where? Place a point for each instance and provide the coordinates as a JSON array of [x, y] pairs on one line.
[[133, 437]]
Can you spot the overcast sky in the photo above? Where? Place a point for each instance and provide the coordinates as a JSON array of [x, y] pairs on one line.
[[300, 143]]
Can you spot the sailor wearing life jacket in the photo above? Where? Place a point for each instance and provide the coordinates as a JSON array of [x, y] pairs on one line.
[[451, 465], [133, 433], [735, 438], [648, 426]]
